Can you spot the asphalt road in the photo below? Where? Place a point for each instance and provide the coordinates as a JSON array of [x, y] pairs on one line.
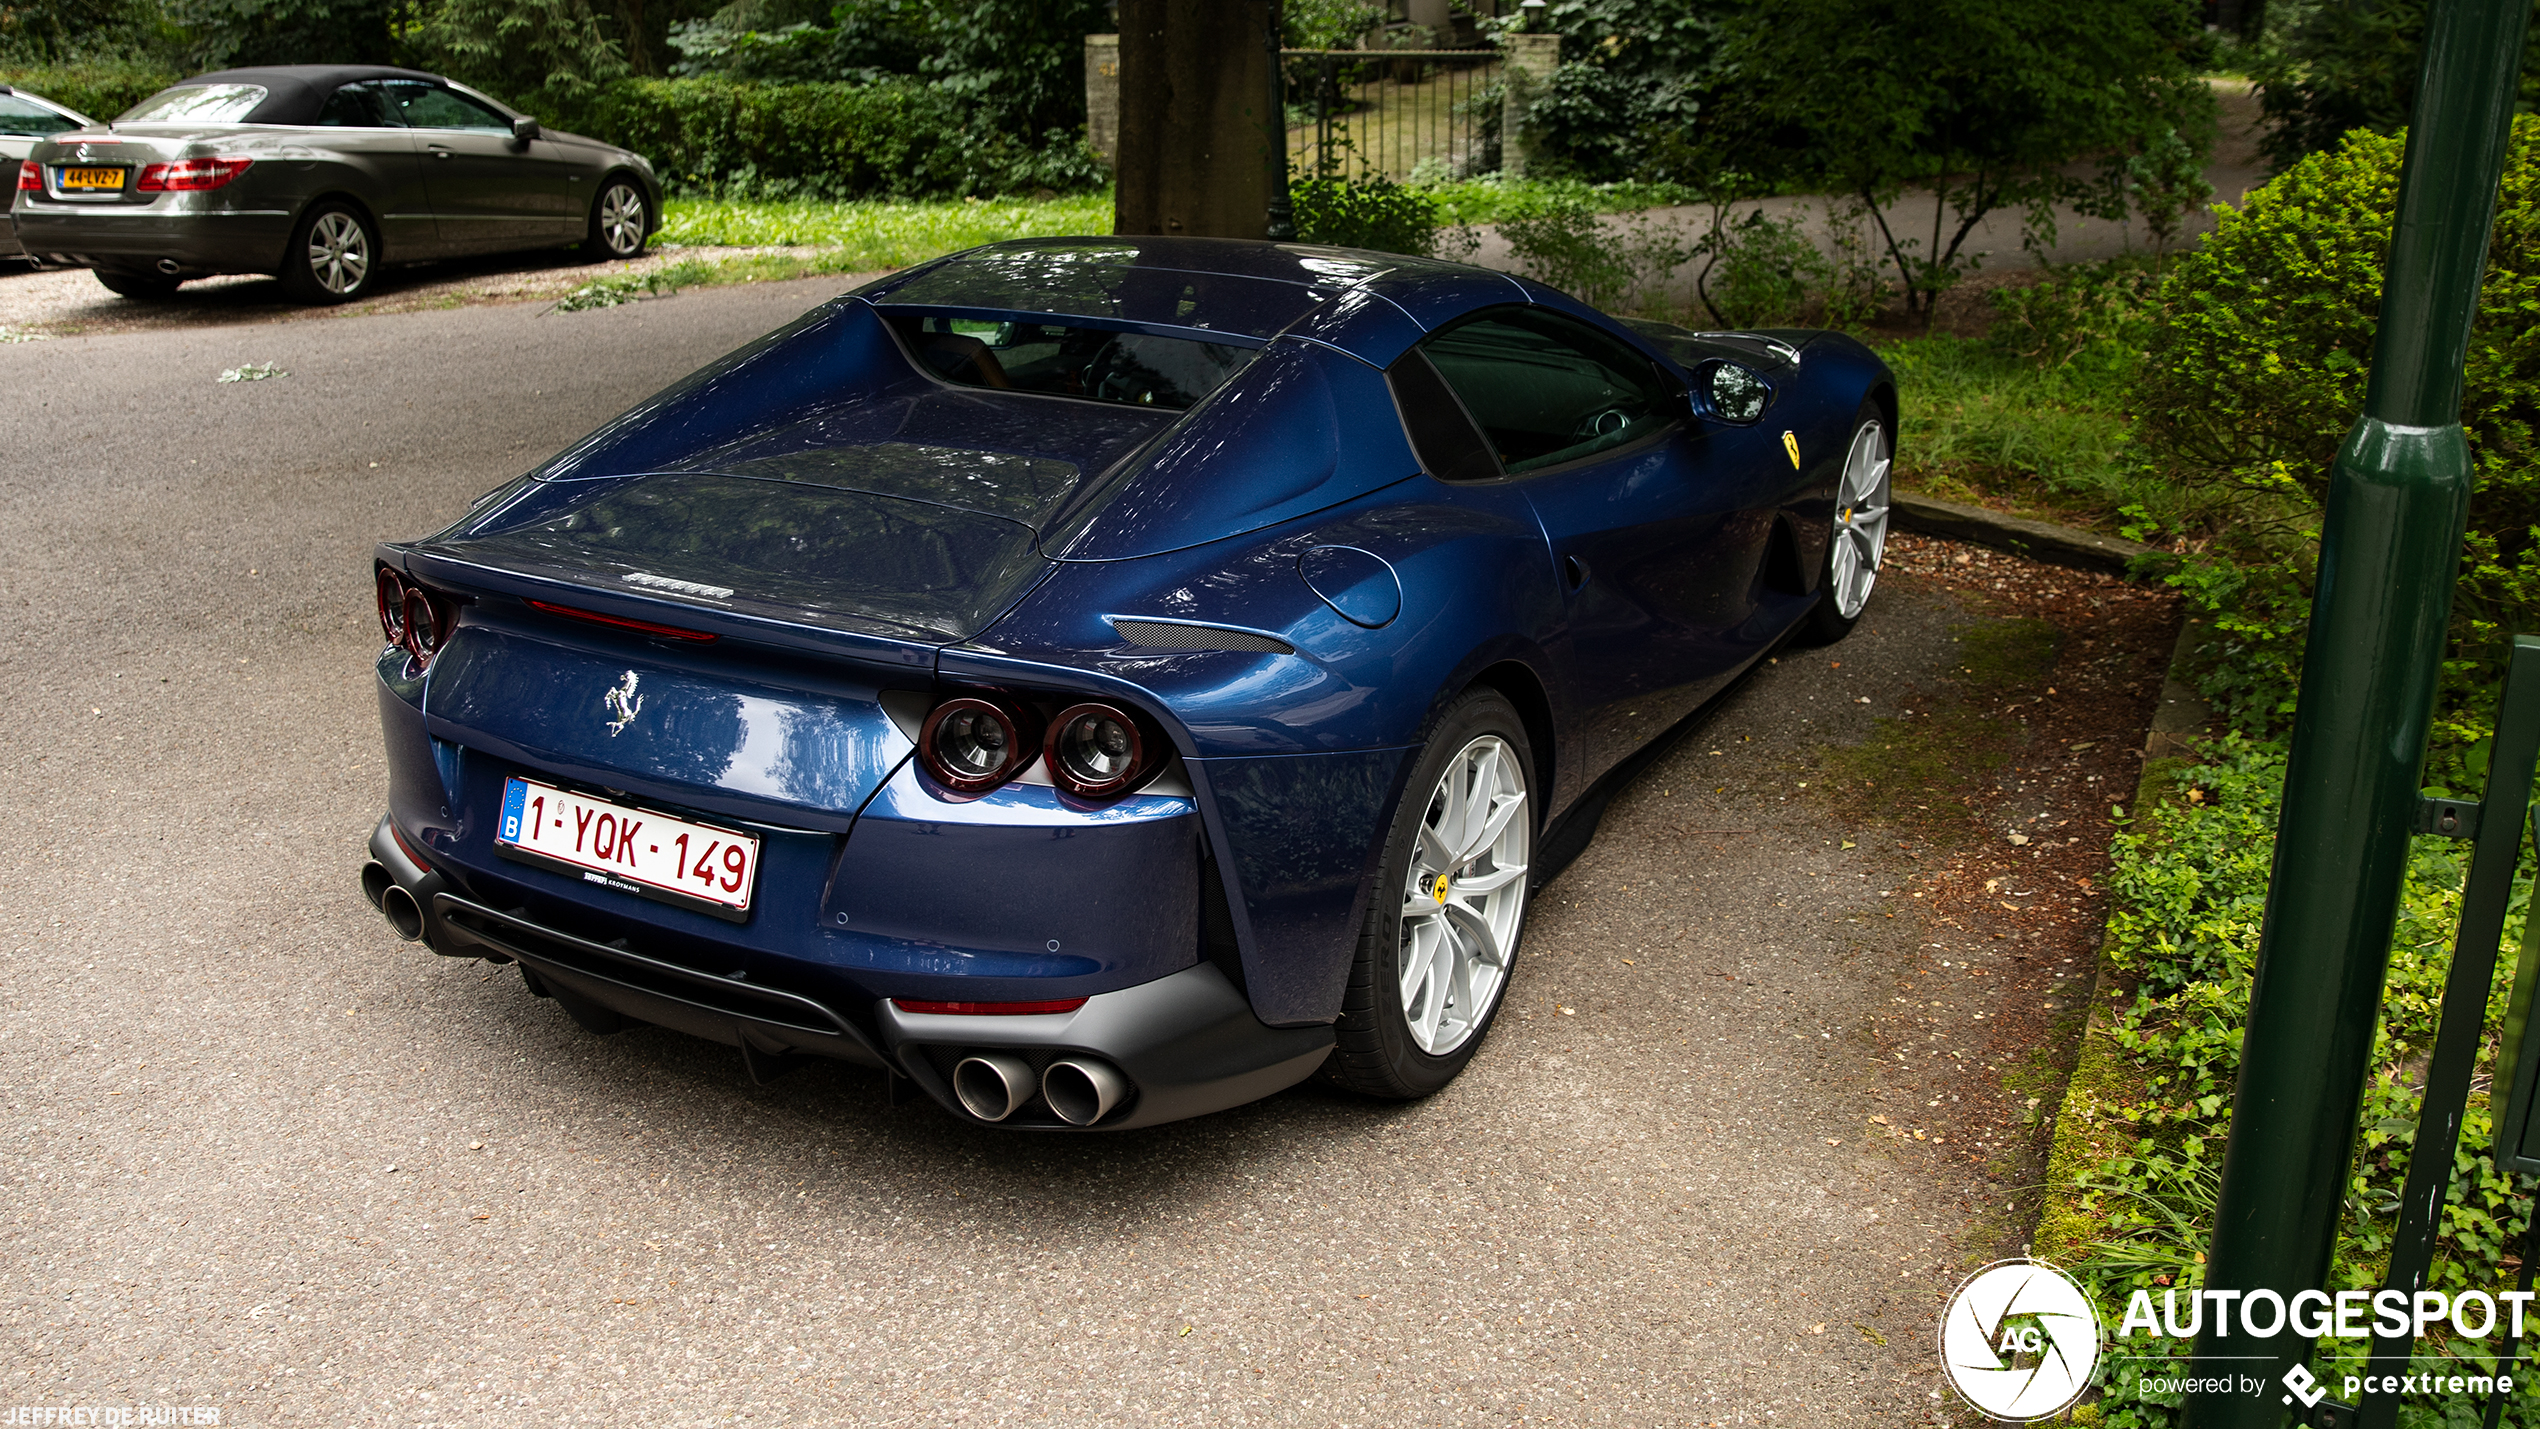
[[257, 1154]]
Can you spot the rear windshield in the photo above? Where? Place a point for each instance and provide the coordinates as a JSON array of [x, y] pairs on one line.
[[197, 104], [1131, 368], [18, 116]]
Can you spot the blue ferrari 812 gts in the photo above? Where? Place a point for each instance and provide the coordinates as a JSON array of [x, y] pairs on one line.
[[1104, 680]]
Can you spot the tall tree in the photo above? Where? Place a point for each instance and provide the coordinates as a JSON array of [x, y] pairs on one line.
[[1987, 103], [1201, 148]]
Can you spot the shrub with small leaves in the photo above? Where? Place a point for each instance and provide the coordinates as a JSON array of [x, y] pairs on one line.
[[1371, 212], [2261, 359], [1762, 271]]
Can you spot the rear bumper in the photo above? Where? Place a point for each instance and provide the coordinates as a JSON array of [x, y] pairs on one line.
[[1188, 1042], [207, 241]]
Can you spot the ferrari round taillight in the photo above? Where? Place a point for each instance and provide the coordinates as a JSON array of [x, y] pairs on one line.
[[973, 745], [1095, 751], [424, 632], [392, 606]]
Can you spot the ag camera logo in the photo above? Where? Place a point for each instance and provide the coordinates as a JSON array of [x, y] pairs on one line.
[[2019, 1341]]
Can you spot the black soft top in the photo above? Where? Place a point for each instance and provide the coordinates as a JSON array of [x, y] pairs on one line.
[[295, 93]]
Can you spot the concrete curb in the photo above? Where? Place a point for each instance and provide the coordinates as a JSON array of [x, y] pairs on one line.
[[2039, 540], [2100, 1065]]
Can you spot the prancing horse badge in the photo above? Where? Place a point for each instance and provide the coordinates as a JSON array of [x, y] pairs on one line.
[[624, 703]]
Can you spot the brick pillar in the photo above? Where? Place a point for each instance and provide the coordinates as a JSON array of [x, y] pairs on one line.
[[1531, 61], [1102, 95]]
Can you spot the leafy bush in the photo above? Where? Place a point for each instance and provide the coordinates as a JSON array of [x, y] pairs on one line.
[[2261, 360], [1016, 69], [1761, 271], [537, 53], [722, 137], [1634, 71], [99, 90], [2189, 893], [1559, 239], [1371, 212]]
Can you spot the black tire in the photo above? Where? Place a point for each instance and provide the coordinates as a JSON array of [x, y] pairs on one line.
[[1377, 1051], [333, 256], [621, 222], [138, 283], [1826, 621]]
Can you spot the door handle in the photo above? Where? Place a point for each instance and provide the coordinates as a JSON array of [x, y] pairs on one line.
[[439, 151]]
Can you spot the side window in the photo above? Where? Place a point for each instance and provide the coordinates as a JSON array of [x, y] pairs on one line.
[[24, 118], [1441, 431], [356, 106], [1546, 389], [429, 106]]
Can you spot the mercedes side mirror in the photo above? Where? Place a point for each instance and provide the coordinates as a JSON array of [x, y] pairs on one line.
[[524, 129]]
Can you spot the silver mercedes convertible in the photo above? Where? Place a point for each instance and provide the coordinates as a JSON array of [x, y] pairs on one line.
[[322, 175]]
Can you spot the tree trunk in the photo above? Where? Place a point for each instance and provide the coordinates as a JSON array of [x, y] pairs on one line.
[[1200, 148]]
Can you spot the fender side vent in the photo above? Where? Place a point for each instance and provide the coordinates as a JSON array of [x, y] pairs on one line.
[[1158, 635], [1782, 571]]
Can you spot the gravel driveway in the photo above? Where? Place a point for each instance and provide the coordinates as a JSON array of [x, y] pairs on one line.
[[264, 1157]]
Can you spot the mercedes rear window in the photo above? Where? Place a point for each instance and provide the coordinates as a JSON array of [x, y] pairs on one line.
[[197, 104], [1068, 360]]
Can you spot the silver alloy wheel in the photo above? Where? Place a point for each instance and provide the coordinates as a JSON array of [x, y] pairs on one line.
[[622, 220], [1466, 895], [1860, 520], [339, 253]]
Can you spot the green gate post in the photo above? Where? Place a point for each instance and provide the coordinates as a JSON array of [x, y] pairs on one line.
[[2389, 551]]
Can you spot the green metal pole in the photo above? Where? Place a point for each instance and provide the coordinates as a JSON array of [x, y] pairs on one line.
[[2389, 551]]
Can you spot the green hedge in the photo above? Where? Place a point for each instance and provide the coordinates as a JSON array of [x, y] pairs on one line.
[[2262, 358], [99, 91], [738, 139]]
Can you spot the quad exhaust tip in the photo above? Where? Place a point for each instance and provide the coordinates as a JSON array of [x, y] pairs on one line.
[[1082, 1090], [394, 903], [993, 1086]]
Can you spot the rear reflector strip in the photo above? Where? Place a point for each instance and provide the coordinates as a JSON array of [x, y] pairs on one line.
[[621, 622], [988, 1009]]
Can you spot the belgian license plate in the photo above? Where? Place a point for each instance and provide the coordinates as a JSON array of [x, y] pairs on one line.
[[639, 851], [89, 180]]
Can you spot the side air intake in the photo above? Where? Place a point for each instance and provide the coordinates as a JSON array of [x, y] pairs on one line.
[[1158, 635]]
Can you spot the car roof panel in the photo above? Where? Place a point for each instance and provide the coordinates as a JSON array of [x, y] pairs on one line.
[[1371, 305], [295, 93]]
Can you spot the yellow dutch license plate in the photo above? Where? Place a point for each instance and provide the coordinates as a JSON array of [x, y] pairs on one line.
[[91, 180]]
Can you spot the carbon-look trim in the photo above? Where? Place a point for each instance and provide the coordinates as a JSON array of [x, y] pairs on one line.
[[648, 988], [1163, 635]]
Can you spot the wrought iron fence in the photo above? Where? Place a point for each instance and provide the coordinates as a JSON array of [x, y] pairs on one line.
[[1403, 114]]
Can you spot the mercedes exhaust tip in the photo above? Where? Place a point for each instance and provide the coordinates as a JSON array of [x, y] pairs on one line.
[[1083, 1091], [992, 1086], [401, 910]]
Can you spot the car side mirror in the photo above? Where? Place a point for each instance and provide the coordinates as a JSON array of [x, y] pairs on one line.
[[1728, 392], [525, 129]]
